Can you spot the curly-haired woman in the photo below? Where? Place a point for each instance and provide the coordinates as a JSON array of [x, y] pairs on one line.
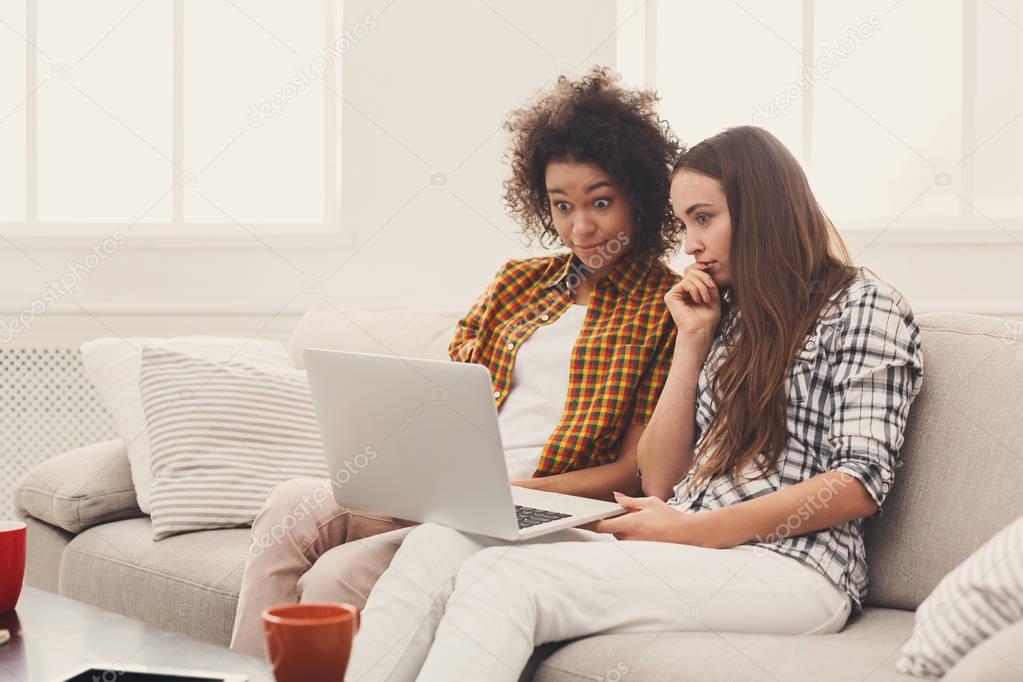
[[777, 432], [578, 343]]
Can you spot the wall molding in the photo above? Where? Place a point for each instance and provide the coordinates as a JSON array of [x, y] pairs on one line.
[[169, 309], [192, 310], [61, 238], [297, 238]]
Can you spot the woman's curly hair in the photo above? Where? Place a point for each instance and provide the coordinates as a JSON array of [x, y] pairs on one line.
[[599, 121]]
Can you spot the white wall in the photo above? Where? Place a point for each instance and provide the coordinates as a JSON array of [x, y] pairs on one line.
[[433, 87], [426, 92]]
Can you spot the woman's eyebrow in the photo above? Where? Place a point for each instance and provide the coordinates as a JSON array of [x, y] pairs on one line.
[[692, 208], [596, 185]]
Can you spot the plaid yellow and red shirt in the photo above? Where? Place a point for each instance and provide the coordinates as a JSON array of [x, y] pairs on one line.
[[619, 361]]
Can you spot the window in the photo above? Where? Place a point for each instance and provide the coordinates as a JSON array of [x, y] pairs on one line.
[[906, 114], [170, 117]]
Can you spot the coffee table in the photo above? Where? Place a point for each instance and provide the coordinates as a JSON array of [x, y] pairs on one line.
[[54, 636]]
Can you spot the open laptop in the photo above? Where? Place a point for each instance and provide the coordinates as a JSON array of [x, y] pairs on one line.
[[419, 440]]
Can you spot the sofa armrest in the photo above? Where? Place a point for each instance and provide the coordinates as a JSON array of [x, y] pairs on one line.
[[80, 488]]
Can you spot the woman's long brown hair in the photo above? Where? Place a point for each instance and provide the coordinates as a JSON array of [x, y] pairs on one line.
[[787, 259]]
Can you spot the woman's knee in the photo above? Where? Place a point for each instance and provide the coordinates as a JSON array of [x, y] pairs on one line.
[[323, 582], [491, 569], [347, 573], [438, 547], [493, 578], [428, 536], [296, 503], [297, 496]]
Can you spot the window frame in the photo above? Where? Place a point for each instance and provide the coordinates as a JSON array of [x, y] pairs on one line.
[[178, 231], [637, 59]]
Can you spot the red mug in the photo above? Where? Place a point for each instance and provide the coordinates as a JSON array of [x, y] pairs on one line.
[[12, 563], [310, 642]]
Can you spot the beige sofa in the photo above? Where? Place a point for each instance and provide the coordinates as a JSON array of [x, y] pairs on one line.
[[959, 484]]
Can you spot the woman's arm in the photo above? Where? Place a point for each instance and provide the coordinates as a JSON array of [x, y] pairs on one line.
[[599, 482], [877, 366], [665, 451], [823, 501], [463, 345]]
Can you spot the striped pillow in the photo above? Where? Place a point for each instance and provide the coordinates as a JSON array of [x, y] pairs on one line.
[[222, 435], [980, 597]]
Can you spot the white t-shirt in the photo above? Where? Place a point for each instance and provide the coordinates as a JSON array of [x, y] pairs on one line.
[[539, 386]]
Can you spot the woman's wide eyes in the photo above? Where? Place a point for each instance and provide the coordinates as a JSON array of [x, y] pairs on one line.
[[564, 207]]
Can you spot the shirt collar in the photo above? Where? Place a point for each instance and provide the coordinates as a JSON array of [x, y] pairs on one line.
[[571, 265], [627, 272]]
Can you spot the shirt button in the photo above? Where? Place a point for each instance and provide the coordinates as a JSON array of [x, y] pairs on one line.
[[497, 394], [885, 488], [545, 317], [510, 345], [810, 345]]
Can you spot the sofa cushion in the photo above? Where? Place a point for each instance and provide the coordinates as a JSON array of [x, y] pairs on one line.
[[43, 548], [80, 488], [999, 659], [112, 365], [187, 583], [865, 651], [416, 334], [221, 436], [978, 599], [961, 468]]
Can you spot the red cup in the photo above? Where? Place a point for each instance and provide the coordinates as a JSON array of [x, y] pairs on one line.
[[310, 642], [12, 563]]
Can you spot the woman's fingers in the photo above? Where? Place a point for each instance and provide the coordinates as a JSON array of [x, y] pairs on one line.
[[676, 293], [688, 291], [697, 286], [704, 276], [631, 503], [619, 526], [607, 526], [679, 288], [697, 274], [697, 290]]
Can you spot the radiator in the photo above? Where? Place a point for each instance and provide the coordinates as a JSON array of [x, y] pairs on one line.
[[47, 407]]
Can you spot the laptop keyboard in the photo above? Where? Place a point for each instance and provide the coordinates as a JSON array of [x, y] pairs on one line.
[[531, 516]]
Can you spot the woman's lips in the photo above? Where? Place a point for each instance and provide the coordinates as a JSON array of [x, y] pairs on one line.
[[594, 247]]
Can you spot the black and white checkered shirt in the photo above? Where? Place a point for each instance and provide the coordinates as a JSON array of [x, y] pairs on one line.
[[849, 395]]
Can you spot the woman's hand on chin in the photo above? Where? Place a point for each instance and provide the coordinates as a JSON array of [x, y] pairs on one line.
[[695, 303]]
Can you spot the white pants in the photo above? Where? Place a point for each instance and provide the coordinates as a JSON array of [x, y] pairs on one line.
[[459, 607]]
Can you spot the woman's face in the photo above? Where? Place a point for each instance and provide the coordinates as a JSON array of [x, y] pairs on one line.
[[700, 203], [592, 216]]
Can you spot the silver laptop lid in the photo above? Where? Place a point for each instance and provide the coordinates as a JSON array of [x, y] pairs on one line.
[[414, 439]]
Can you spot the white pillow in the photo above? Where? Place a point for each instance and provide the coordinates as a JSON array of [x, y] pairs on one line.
[[222, 436], [408, 333], [980, 597], [112, 365]]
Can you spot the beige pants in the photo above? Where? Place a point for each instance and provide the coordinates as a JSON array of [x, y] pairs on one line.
[[307, 548]]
